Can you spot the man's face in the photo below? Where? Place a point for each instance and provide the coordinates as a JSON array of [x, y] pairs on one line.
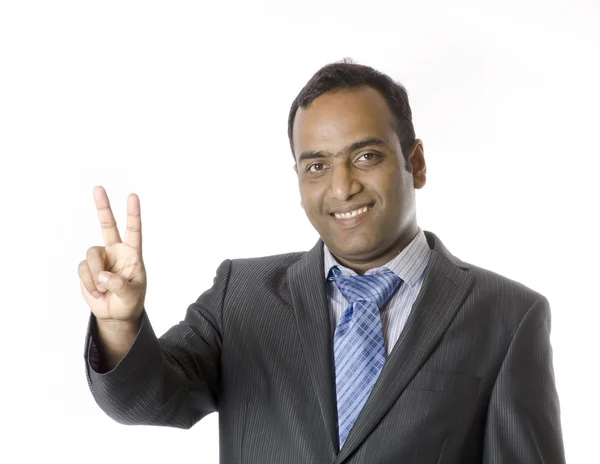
[[349, 159]]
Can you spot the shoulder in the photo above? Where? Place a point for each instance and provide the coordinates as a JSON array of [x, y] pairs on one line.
[[503, 301], [491, 282], [487, 283], [257, 270]]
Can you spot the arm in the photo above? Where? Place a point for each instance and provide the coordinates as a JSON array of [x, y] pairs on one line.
[[172, 380], [108, 346], [523, 419]]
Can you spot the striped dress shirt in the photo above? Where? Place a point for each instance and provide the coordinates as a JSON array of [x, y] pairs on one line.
[[409, 265]]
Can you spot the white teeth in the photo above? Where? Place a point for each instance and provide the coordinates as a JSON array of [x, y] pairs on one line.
[[351, 214]]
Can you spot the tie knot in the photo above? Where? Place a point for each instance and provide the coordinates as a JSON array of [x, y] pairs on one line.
[[376, 288]]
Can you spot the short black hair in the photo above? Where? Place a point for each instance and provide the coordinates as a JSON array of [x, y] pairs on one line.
[[347, 74]]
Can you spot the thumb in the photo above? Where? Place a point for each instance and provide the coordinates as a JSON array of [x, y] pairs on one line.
[[115, 283]]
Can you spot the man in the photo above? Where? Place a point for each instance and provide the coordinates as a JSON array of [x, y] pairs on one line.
[[376, 346]]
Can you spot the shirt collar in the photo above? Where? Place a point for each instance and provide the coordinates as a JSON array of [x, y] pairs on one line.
[[409, 264]]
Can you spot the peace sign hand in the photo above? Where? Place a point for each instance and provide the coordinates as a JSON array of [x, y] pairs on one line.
[[119, 299]]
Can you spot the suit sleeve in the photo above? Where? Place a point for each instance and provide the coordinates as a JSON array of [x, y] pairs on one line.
[[172, 380], [523, 420]]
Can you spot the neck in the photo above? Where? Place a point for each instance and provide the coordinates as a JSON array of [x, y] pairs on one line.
[[362, 266]]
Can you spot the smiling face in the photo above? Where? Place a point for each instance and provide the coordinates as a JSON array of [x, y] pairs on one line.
[[354, 186]]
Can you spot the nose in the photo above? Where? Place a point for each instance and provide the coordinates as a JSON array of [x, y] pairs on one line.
[[344, 184]]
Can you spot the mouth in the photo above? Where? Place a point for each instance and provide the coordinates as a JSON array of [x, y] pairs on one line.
[[352, 218]]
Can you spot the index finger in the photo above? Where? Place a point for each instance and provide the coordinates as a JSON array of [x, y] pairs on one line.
[[107, 219]]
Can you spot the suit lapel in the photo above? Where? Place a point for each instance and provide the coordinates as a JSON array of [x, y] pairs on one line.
[[444, 289], [306, 281]]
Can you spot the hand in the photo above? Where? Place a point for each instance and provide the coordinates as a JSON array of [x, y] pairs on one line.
[[118, 301]]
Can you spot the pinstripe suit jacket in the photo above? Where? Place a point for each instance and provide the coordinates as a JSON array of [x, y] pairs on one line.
[[470, 379]]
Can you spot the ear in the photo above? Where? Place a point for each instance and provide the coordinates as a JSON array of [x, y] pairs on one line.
[[417, 161]]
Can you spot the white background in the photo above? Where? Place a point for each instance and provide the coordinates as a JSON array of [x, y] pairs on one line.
[[187, 106]]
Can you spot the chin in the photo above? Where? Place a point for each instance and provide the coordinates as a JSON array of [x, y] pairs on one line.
[[353, 247]]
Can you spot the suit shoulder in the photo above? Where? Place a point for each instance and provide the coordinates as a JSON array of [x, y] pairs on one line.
[[265, 265], [502, 301], [500, 286]]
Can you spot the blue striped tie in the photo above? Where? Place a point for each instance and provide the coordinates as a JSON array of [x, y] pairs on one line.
[[358, 346]]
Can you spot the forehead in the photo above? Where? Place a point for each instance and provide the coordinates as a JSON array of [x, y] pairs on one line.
[[336, 119]]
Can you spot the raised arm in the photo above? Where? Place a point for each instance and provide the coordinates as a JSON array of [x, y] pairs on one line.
[[171, 381]]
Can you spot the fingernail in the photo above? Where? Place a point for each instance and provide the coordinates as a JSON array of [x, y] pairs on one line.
[[103, 277], [95, 294]]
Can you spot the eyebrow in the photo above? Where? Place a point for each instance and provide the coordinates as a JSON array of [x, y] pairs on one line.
[[308, 155]]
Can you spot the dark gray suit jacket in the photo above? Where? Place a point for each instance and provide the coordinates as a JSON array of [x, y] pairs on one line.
[[470, 379]]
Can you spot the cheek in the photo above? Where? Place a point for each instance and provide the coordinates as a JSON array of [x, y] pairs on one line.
[[311, 198]]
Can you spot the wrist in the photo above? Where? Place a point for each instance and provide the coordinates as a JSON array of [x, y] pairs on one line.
[[116, 326]]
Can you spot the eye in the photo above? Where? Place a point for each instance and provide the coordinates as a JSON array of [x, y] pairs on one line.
[[318, 167], [370, 156]]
